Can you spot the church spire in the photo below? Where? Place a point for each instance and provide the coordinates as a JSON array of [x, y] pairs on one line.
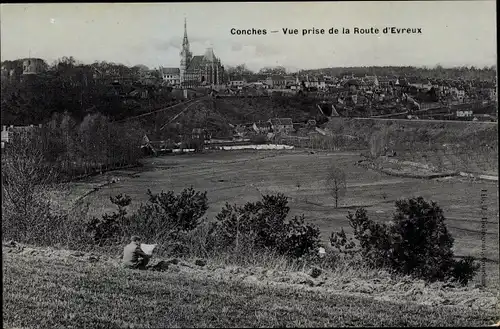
[[185, 41]]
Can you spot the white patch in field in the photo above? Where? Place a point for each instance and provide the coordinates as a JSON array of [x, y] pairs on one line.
[[379, 211], [53, 20], [148, 248]]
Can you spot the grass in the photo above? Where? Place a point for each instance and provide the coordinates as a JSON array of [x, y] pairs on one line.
[[53, 292], [239, 177]]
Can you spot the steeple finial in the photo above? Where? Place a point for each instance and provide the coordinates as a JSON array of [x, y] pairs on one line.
[[185, 27], [185, 41]]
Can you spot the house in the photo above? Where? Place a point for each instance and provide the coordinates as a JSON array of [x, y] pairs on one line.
[[385, 82], [276, 82], [262, 127], [290, 80], [371, 81], [171, 75], [237, 81], [352, 85], [34, 66], [240, 131], [282, 125], [8, 133], [199, 133], [321, 83]]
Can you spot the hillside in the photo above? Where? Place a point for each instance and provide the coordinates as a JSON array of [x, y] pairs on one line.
[[454, 145], [218, 114], [94, 291]]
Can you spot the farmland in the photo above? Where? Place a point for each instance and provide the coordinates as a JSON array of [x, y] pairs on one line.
[[242, 176]]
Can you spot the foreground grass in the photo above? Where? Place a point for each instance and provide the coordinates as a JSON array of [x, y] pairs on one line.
[[49, 293]]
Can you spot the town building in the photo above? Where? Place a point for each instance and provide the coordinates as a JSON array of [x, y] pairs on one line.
[[282, 125], [171, 75], [34, 66]]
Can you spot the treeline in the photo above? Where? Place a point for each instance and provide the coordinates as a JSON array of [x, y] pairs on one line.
[[73, 149], [438, 72], [68, 86]]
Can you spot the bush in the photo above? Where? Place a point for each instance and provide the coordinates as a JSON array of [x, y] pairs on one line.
[[197, 144], [258, 139], [167, 216], [263, 226], [109, 228], [416, 243]]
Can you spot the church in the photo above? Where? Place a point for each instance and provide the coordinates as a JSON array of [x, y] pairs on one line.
[[194, 71]]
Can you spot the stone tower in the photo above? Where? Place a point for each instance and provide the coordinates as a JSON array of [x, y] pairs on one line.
[[186, 55]]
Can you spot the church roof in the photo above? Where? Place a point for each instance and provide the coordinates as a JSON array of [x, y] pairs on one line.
[[171, 70], [196, 62]]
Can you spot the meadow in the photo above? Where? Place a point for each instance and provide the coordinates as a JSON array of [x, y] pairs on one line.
[[238, 177], [48, 291]]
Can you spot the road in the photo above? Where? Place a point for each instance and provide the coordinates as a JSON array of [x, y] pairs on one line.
[[431, 121]]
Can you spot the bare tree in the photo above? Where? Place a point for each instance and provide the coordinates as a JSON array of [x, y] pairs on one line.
[[336, 183], [26, 182]]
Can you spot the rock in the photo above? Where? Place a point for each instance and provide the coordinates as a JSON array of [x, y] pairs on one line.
[[174, 261], [467, 302], [366, 288], [315, 272], [319, 283], [160, 266], [29, 251], [200, 262], [251, 278], [308, 282], [93, 258], [282, 279], [484, 302], [185, 264], [174, 269]]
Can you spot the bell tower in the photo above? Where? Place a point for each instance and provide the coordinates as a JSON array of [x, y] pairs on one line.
[[185, 54]]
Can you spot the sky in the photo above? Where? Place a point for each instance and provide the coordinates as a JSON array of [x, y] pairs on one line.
[[454, 33]]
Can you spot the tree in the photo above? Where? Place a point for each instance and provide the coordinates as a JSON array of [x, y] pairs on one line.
[[26, 182], [416, 243], [278, 70], [263, 225], [238, 70], [336, 183]]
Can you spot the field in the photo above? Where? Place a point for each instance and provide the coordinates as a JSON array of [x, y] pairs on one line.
[[239, 177], [54, 290]]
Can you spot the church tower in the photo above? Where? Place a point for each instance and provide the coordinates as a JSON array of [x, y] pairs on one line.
[[185, 55]]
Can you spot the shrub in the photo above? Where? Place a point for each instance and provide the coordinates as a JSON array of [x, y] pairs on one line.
[[263, 226], [258, 139], [416, 243], [197, 144], [419, 227], [166, 215], [108, 228]]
